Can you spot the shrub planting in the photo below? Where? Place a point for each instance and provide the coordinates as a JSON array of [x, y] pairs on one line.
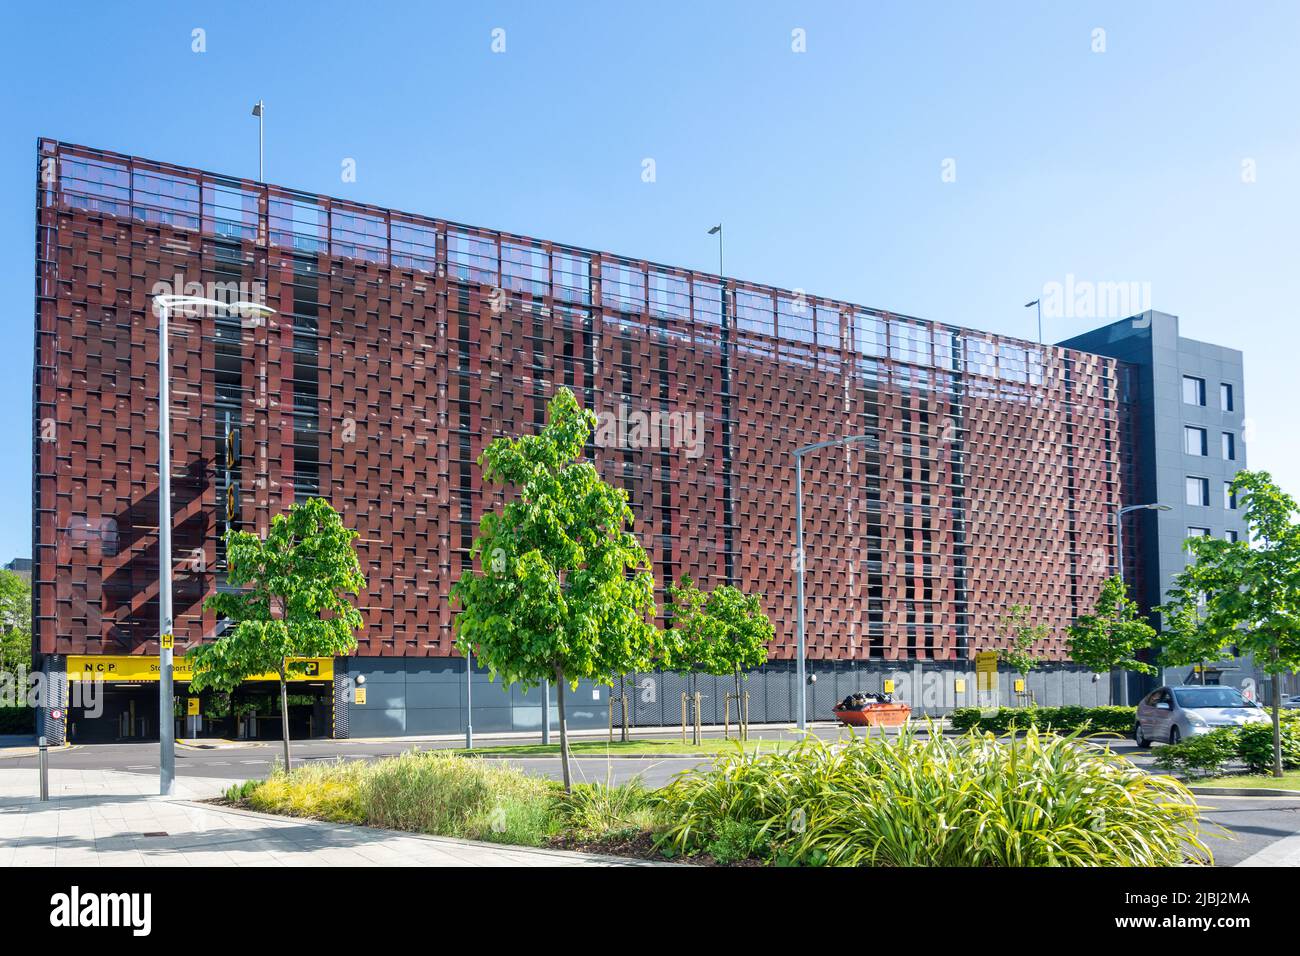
[[1252, 745], [1096, 720], [977, 800], [1203, 754]]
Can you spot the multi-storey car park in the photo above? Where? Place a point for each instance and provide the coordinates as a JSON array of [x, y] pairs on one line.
[[990, 474]]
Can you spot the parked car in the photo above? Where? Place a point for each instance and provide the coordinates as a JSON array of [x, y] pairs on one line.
[[1174, 713]]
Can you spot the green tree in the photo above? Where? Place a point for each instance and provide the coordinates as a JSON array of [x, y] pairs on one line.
[[294, 605], [1019, 635], [564, 590], [1112, 635], [722, 632], [1247, 594], [15, 622]]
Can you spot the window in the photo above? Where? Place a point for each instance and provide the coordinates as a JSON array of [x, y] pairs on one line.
[[1194, 441], [1229, 496], [1198, 491], [1193, 390], [1225, 397], [1230, 536], [1194, 532], [1229, 446]]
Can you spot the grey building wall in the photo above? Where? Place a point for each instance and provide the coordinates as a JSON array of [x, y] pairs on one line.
[[415, 697], [1151, 341]]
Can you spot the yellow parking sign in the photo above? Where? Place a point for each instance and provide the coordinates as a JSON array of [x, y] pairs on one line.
[[192, 706]]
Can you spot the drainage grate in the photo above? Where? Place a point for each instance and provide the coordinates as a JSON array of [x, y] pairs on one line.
[[154, 833]]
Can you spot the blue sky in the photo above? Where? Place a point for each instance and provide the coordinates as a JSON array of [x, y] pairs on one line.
[[827, 165]]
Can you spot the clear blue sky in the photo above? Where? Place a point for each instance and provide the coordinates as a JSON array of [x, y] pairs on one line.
[[1124, 165]]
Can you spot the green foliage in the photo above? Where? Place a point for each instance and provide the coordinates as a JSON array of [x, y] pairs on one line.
[[15, 622], [1203, 754], [17, 720], [565, 588], [216, 705], [293, 606], [1087, 720], [434, 793], [1255, 746], [717, 633], [931, 800], [320, 790], [1247, 594], [1020, 636], [239, 792], [1251, 744], [738, 840], [1111, 636], [597, 811]]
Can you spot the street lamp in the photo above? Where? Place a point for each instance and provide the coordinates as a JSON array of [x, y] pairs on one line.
[[1119, 564], [166, 731], [1038, 302], [259, 110], [717, 231], [799, 558]]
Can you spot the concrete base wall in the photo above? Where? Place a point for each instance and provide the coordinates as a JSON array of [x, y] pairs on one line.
[[415, 696]]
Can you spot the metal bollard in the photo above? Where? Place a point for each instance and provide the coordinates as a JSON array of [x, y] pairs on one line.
[[45, 769]]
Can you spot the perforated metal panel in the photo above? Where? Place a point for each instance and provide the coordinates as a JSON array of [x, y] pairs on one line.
[[404, 344]]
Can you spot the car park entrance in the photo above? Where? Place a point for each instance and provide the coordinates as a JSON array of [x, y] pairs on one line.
[[127, 705]]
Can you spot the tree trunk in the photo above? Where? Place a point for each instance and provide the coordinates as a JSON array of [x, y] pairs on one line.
[[284, 717], [695, 704], [740, 711], [564, 730], [1277, 724], [622, 693]]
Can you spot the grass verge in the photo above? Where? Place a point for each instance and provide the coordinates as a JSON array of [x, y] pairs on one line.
[[1288, 781], [708, 746]]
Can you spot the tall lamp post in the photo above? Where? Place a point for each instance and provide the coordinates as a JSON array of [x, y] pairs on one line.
[[259, 110], [717, 231], [166, 638], [1119, 564], [1039, 303], [800, 675]]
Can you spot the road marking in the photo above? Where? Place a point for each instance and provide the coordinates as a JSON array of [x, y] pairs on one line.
[[252, 761], [143, 766]]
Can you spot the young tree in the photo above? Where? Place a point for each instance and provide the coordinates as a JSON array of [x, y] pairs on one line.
[[564, 590], [1110, 637], [15, 622], [720, 633], [294, 606], [1233, 592], [1021, 635]]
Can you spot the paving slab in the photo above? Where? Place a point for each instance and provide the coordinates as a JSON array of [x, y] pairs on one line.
[[101, 818]]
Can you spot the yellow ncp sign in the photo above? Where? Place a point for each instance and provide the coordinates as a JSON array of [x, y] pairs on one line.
[[133, 667]]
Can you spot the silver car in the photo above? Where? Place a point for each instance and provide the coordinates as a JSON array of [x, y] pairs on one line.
[[1175, 713]]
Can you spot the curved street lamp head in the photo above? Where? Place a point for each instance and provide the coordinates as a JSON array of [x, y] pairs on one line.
[[1154, 506], [169, 302]]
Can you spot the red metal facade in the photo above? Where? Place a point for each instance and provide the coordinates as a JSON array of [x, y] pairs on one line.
[[402, 345]]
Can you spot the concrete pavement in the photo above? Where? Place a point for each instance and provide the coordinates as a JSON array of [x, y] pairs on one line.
[[110, 818]]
